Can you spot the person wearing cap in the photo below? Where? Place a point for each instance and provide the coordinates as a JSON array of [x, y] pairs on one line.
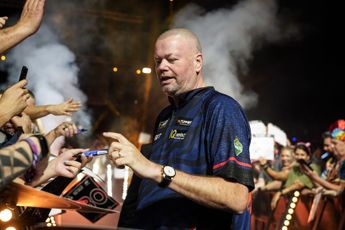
[[337, 183]]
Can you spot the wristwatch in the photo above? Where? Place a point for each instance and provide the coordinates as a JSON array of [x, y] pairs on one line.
[[168, 174]]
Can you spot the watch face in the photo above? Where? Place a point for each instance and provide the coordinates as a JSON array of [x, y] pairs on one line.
[[169, 171]]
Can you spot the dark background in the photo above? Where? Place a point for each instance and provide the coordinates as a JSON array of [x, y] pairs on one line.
[[299, 82]]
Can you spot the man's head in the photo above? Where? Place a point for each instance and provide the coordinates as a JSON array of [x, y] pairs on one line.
[[178, 59]]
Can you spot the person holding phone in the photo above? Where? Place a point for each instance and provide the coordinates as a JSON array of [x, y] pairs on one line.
[[336, 183], [296, 179]]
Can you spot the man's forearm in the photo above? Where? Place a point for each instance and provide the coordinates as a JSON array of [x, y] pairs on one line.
[[210, 191], [36, 112], [11, 36]]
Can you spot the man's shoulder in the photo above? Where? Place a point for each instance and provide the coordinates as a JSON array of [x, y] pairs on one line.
[[218, 99]]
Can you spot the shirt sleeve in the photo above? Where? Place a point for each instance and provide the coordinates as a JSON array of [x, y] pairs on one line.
[[228, 140]]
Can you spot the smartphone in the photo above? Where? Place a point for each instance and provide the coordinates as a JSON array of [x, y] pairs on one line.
[[303, 162], [23, 73]]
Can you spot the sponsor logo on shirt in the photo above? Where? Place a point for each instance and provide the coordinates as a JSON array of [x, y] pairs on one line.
[[177, 135], [157, 136], [162, 124], [238, 146], [183, 122]]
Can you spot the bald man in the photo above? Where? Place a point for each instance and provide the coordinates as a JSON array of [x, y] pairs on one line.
[[198, 174]]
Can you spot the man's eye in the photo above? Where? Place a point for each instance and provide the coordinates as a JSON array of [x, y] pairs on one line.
[[172, 60]]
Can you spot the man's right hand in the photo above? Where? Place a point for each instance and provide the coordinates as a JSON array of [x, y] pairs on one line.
[[31, 17], [13, 100]]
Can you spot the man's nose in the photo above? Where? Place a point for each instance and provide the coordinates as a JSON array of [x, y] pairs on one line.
[[163, 65]]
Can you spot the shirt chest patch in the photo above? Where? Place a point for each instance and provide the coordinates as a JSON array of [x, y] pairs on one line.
[[157, 136], [183, 122], [163, 124], [177, 134]]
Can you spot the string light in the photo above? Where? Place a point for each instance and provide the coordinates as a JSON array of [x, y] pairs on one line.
[[115, 69], [138, 71], [3, 58]]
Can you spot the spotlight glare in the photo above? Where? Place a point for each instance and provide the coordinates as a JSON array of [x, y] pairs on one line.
[[6, 215], [146, 70]]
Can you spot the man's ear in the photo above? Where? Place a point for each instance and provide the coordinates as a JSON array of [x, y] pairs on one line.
[[198, 61]]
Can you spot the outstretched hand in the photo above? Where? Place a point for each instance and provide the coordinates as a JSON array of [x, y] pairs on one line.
[[32, 14], [65, 108], [66, 165]]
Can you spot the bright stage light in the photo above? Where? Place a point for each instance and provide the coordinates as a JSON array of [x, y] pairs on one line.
[[146, 70], [11, 228], [6, 215]]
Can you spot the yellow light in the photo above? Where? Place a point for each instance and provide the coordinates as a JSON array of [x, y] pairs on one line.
[[296, 194], [49, 225], [294, 199], [6, 215], [115, 69], [290, 211], [10, 228], [3, 58], [146, 70], [286, 223], [284, 228], [292, 205], [288, 217], [138, 71]]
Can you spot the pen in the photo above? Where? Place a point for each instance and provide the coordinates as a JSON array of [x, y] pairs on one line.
[[93, 153]]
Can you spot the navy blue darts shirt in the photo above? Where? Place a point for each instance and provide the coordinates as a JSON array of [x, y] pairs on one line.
[[206, 134]]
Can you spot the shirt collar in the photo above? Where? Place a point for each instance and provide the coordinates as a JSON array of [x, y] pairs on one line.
[[184, 98]]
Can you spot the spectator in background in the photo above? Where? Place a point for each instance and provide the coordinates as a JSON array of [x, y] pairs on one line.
[[336, 184], [278, 177], [296, 179]]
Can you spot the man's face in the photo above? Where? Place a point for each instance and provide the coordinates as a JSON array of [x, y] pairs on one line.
[[339, 148], [327, 145], [175, 60], [286, 157]]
